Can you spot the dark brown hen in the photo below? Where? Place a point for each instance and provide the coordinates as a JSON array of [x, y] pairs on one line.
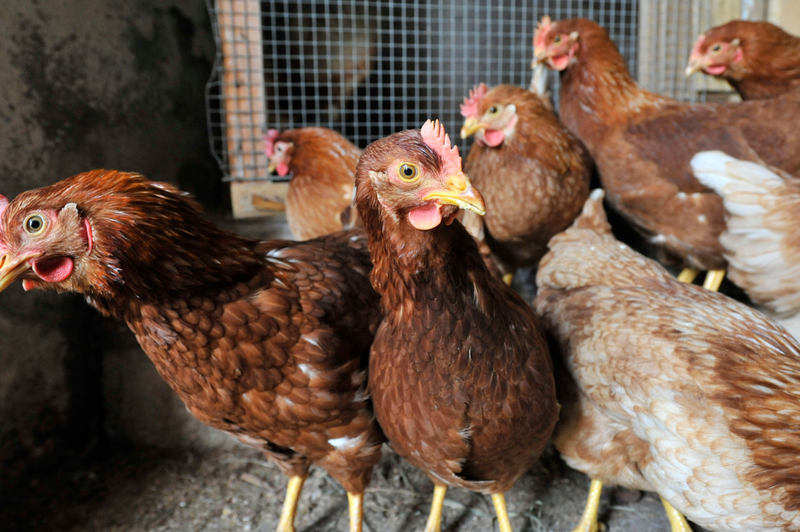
[[460, 375], [267, 341], [757, 58], [533, 173], [643, 143]]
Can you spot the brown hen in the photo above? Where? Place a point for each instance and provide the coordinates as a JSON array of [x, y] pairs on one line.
[[758, 59], [533, 173], [322, 164], [266, 341], [460, 375], [677, 390], [643, 143]]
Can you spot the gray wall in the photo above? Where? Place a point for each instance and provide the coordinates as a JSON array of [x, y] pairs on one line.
[[87, 84]]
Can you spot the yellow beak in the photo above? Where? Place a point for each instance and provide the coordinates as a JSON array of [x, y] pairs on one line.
[[271, 167], [9, 271], [471, 125], [538, 57], [695, 65], [461, 193]]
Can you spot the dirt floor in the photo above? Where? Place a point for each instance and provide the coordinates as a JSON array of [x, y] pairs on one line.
[[125, 489]]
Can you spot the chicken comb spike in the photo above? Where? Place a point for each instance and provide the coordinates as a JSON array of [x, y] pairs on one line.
[[470, 105], [434, 135], [542, 30], [269, 141]]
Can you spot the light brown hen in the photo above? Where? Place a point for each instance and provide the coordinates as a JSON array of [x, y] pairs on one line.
[[674, 389], [323, 164]]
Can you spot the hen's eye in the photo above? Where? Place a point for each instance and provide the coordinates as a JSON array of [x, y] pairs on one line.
[[493, 109], [408, 172], [557, 39], [34, 224], [716, 48]]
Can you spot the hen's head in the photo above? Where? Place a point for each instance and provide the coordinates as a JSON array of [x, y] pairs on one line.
[[42, 241], [557, 44], [490, 115], [104, 232], [717, 51], [279, 152], [414, 176]]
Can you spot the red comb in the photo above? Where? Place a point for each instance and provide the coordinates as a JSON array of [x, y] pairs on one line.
[[269, 141], [470, 105], [542, 30], [434, 135]]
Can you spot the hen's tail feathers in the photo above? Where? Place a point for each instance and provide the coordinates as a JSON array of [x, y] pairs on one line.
[[761, 203], [593, 215], [730, 177]]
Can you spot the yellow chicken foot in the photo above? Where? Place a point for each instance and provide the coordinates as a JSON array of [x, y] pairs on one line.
[[508, 278], [688, 275], [677, 521], [499, 501], [589, 518], [356, 501], [435, 517], [713, 279], [286, 523]]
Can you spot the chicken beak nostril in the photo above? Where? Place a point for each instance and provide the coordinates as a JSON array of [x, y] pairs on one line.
[[458, 183]]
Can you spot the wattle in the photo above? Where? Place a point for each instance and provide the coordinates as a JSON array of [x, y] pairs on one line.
[[53, 270], [493, 137], [282, 169], [425, 217], [716, 70]]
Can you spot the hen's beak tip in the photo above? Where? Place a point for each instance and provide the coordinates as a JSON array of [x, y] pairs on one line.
[[9, 272]]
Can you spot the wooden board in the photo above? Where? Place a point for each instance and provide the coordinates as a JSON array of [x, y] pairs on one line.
[[258, 198], [245, 107]]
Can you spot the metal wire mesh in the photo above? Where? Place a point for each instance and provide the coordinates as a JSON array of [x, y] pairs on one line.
[[370, 68]]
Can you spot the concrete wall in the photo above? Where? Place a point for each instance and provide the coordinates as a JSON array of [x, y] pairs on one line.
[[95, 83]]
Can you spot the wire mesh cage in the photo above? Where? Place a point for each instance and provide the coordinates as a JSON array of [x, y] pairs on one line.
[[370, 68]]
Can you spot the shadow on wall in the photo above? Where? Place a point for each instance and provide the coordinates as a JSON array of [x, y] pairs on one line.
[[98, 83]]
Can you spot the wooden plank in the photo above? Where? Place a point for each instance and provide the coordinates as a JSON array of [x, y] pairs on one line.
[[786, 14], [244, 99], [252, 199]]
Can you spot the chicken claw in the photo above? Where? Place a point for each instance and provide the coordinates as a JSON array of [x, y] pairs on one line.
[[677, 521], [435, 517], [589, 518], [286, 523]]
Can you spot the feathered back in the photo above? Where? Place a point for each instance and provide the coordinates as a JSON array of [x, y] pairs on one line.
[[579, 256]]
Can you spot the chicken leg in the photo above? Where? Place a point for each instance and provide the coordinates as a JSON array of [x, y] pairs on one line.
[[713, 280], [677, 521], [499, 501], [356, 503], [286, 523], [435, 517], [688, 275], [589, 518]]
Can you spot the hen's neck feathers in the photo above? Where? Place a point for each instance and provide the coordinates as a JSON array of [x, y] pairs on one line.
[[411, 265], [597, 84], [152, 244]]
